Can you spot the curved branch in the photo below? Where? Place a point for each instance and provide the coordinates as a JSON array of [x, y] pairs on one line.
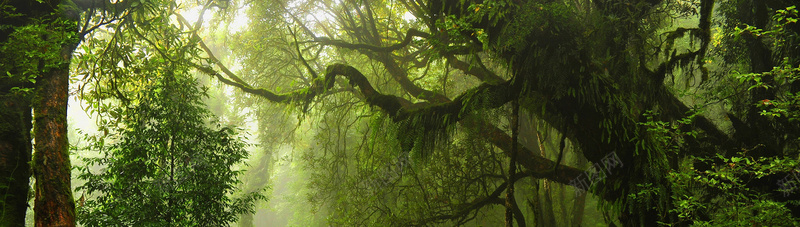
[[244, 86], [399, 108], [399, 74], [536, 165], [339, 43], [211, 56], [300, 55], [390, 104]]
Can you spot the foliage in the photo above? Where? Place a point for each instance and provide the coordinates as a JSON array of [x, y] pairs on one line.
[[737, 189], [166, 166], [33, 49], [668, 136], [723, 190], [724, 195], [593, 71], [779, 32], [788, 103]]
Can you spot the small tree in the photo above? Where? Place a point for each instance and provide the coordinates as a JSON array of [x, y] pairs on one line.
[[166, 166]]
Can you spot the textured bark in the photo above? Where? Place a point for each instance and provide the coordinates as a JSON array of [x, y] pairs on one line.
[[54, 205], [15, 118], [15, 153]]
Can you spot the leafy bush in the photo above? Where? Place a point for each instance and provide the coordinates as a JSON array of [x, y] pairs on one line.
[[166, 166]]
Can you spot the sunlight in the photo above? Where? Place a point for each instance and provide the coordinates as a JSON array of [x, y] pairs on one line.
[[409, 17], [192, 14], [319, 16], [239, 22]]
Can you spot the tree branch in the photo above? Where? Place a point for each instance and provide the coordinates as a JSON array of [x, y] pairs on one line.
[[339, 43], [493, 198]]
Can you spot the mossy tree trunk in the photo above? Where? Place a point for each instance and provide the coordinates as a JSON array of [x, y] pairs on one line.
[[54, 204], [15, 110], [15, 153]]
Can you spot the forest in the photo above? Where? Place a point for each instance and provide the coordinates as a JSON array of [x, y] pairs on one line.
[[399, 113]]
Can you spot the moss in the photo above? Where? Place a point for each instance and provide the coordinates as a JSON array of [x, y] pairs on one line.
[[15, 152]]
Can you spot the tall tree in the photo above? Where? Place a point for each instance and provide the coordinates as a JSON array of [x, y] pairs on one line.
[[17, 82], [169, 168], [45, 35], [38, 42], [54, 205]]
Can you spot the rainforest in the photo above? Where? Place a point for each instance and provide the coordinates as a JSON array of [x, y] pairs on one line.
[[399, 113]]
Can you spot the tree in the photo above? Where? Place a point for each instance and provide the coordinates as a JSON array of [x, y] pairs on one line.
[[167, 167], [38, 40], [590, 69], [608, 76], [15, 145]]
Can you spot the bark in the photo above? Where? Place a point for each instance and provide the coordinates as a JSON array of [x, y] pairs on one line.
[[591, 118], [16, 118], [544, 205], [512, 166], [15, 153], [54, 205]]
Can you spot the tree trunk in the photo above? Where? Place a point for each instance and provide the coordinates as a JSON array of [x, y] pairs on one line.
[[15, 116], [54, 205], [15, 153], [257, 178], [512, 164], [546, 204], [580, 199]]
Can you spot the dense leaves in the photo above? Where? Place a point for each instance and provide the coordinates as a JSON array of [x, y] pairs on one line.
[[402, 115], [167, 165]]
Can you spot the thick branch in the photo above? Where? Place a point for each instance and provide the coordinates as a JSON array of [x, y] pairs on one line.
[[481, 73], [400, 75], [399, 109]]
